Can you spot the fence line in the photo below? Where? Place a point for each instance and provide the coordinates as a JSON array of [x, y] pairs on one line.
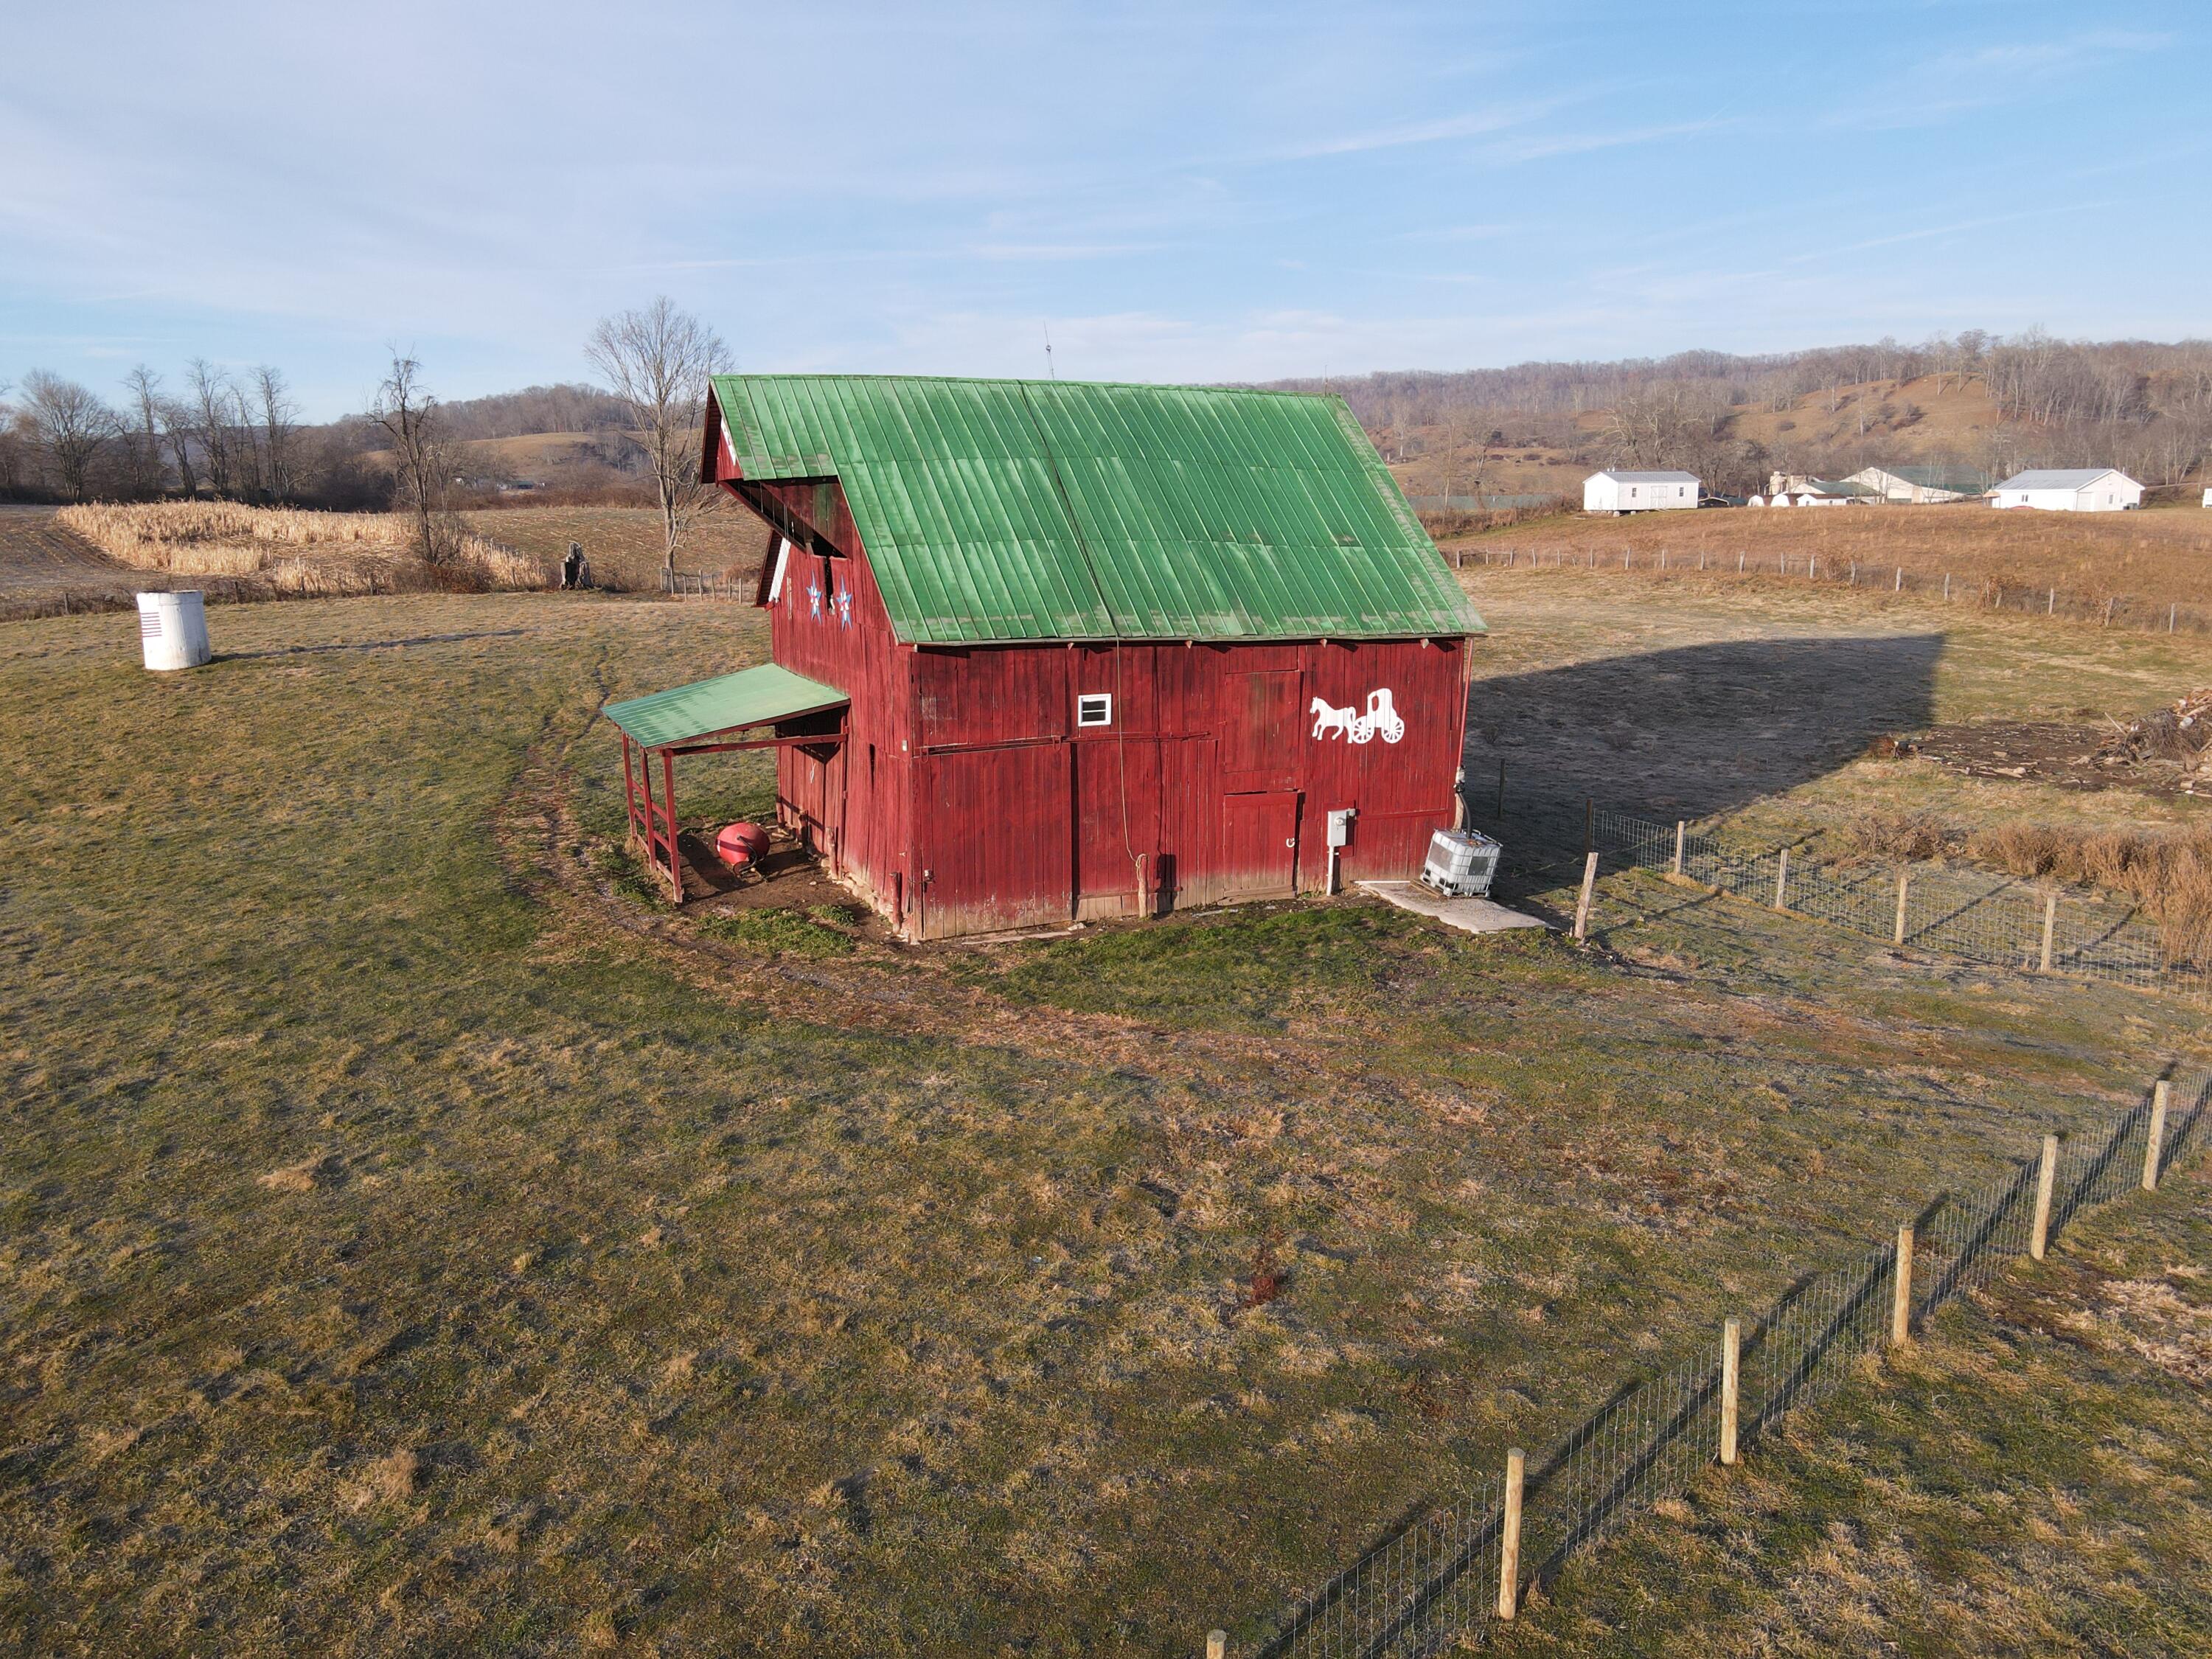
[[695, 585], [1977, 918], [1447, 1579], [2109, 610]]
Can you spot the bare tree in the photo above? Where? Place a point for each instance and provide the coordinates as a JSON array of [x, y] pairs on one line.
[[210, 406], [278, 417], [658, 362], [71, 424], [147, 474], [11, 447], [422, 458], [176, 427]]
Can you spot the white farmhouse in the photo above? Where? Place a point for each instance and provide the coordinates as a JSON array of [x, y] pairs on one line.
[[1614, 491], [2069, 489]]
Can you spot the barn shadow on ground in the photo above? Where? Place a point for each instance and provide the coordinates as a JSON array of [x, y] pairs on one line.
[[1694, 732]]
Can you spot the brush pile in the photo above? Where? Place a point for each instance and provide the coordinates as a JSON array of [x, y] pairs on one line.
[[2178, 737]]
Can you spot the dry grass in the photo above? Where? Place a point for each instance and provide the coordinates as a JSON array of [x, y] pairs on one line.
[[2159, 557], [2168, 874], [298, 553]]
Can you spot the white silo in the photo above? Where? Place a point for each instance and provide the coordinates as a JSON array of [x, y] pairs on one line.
[[172, 629]]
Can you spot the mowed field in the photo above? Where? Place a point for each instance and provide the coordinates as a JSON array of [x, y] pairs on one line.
[[2159, 557], [414, 1238]]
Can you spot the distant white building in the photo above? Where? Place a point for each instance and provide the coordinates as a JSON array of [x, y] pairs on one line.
[[1823, 492], [1614, 491], [2207, 498], [2069, 489], [1919, 485]]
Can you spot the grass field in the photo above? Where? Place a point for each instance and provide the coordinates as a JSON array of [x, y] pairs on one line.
[[2157, 558], [413, 1239], [624, 542]]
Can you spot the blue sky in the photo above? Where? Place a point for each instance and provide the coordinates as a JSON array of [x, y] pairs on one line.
[[1182, 192]]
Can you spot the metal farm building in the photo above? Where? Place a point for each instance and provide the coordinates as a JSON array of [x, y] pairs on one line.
[[1049, 652]]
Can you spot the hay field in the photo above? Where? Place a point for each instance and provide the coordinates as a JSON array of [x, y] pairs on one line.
[[296, 553], [413, 1238], [2161, 557]]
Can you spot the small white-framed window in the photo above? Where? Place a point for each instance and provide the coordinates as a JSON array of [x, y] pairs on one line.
[[1094, 708]]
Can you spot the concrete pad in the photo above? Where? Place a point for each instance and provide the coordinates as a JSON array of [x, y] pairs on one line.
[[1469, 915]]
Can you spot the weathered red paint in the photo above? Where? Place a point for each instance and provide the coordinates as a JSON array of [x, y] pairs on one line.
[[967, 799]]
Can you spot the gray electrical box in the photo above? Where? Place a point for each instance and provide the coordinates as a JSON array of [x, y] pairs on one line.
[[1339, 825]]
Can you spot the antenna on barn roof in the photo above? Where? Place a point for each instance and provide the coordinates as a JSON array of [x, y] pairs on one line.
[[1050, 370]]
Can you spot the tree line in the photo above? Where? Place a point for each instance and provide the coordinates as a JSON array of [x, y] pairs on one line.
[[2143, 406], [238, 437]]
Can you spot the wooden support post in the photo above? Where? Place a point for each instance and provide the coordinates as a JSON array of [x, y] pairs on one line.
[[1947, 584], [1811, 567], [1508, 1539], [2155, 1144], [1731, 1387], [2047, 1181], [2050, 926], [668, 803], [1904, 886], [1782, 881], [1900, 1298], [1899, 588], [1681, 833], [1739, 564], [2051, 610], [1217, 1644], [1589, 889]]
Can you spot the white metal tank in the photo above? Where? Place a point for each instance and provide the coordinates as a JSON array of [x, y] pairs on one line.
[[172, 629]]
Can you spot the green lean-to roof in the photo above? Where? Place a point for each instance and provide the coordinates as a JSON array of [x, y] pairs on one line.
[[1062, 510], [751, 696]]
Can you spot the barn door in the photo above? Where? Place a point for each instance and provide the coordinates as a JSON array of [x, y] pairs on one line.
[[995, 839], [1259, 844], [1260, 728]]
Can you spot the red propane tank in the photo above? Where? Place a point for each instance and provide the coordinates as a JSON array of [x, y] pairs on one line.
[[740, 844]]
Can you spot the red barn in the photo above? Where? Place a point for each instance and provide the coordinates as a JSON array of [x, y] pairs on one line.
[[1047, 651]]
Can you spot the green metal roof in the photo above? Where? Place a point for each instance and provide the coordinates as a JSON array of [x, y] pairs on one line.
[[1060, 509], [751, 696]]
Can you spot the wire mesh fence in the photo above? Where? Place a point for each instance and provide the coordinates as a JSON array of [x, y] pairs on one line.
[[1437, 1584], [2106, 610], [1973, 916]]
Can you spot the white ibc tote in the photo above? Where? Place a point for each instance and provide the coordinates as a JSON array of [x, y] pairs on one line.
[[172, 629]]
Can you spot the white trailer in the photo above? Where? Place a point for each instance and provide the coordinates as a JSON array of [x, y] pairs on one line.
[[1614, 491], [2069, 489]]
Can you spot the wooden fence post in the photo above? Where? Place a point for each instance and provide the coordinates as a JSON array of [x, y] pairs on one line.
[[1731, 1386], [1904, 886], [1900, 1299], [1583, 906], [2050, 926], [1947, 584], [1509, 1538], [1217, 1644], [1782, 881], [2046, 1181], [1899, 588], [1681, 831], [2155, 1143]]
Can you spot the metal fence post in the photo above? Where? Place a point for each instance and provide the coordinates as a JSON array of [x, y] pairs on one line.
[[1731, 1386], [1901, 1300], [2155, 1143], [2046, 1180], [1681, 831], [1904, 886], [1782, 881], [1509, 1537], [1583, 906], [2050, 926]]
